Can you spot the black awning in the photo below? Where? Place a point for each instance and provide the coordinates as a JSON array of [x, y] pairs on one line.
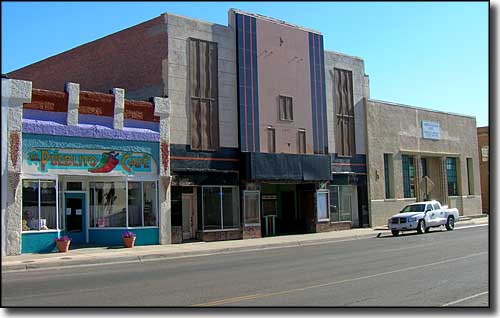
[[293, 167]]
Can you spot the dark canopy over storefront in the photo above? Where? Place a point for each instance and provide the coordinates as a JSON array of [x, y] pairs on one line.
[[292, 167]]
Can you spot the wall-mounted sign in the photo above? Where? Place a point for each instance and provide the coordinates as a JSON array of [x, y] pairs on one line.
[[484, 153], [431, 130], [82, 161]]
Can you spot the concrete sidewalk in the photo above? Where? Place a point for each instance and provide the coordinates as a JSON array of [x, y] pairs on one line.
[[107, 255]]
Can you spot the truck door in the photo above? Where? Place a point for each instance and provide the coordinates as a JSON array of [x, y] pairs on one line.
[[430, 215], [441, 217]]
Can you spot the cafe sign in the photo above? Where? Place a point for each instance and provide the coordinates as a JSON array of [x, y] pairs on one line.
[[431, 130], [113, 162]]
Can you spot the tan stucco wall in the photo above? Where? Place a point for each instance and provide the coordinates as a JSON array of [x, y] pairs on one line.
[[180, 29], [396, 129], [283, 70], [381, 210], [360, 90]]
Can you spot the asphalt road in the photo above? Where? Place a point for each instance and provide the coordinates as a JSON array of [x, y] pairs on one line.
[[436, 269]]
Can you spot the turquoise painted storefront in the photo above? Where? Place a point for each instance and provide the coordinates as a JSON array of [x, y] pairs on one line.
[[42, 241], [39, 242], [113, 237]]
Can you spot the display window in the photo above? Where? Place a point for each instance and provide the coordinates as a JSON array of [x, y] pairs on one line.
[[39, 207]]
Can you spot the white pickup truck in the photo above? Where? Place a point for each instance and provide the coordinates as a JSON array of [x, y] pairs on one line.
[[421, 216]]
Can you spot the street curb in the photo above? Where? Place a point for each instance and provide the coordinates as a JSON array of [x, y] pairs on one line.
[[165, 256], [466, 221], [173, 255]]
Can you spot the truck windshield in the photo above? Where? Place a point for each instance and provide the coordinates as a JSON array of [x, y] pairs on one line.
[[414, 208]]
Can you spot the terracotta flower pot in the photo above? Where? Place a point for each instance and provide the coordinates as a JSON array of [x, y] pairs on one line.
[[63, 246], [128, 241]]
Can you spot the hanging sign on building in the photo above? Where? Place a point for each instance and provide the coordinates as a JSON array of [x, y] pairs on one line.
[[484, 153], [83, 161], [431, 130]]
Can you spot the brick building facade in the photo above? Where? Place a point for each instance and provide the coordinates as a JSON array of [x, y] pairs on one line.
[[483, 140]]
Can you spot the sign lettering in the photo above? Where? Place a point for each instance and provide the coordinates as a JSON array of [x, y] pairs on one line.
[[91, 161], [431, 130]]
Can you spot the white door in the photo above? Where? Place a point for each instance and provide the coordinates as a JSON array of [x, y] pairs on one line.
[[431, 216], [188, 217]]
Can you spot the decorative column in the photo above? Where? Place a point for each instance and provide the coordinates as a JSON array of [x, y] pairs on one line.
[[162, 109], [119, 108], [14, 94], [73, 90]]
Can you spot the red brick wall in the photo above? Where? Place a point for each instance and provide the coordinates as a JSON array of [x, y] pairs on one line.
[[483, 138], [48, 101], [252, 232], [91, 103], [336, 226], [130, 59]]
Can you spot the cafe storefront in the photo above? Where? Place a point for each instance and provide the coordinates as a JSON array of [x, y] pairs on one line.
[[89, 189]]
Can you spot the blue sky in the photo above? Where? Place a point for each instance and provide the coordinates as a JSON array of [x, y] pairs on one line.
[[432, 55]]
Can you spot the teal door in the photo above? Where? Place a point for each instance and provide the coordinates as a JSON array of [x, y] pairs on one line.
[[75, 217]]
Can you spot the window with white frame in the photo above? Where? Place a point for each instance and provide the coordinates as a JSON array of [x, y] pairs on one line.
[[251, 207], [123, 204], [322, 205], [220, 207], [39, 211]]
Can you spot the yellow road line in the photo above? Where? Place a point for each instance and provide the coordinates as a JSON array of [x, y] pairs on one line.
[[257, 296]]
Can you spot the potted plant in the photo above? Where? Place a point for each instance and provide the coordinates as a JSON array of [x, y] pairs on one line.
[[63, 243], [128, 239]]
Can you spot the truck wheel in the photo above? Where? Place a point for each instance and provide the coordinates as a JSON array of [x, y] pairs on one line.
[[395, 232], [421, 227], [450, 224]]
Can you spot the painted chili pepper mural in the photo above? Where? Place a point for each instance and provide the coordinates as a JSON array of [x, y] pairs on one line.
[[108, 162]]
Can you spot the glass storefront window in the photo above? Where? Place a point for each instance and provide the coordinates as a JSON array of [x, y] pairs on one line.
[[345, 197], [220, 208], [39, 211], [48, 205], [211, 208], [341, 201], [108, 204], [322, 205], [230, 208], [134, 204], [150, 203]]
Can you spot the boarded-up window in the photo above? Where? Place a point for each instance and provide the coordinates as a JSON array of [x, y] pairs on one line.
[[271, 140], [344, 102], [286, 108], [203, 91], [302, 141]]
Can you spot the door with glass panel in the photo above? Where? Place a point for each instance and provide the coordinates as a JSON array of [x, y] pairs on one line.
[[188, 217], [75, 219], [344, 204]]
